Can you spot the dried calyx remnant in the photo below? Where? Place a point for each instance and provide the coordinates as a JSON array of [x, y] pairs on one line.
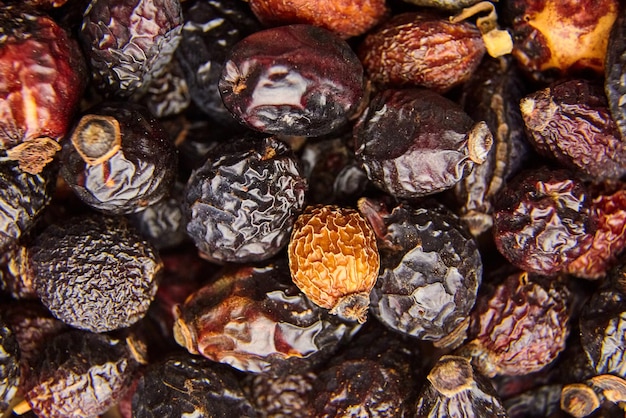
[[97, 138]]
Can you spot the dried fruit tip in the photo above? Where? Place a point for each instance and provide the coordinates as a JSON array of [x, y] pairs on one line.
[[479, 142], [97, 138], [33, 155], [183, 334], [498, 42], [451, 375], [579, 400], [353, 307]]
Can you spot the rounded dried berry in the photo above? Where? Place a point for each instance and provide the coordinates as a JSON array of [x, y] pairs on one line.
[[241, 204], [334, 259], [292, 80], [94, 273]]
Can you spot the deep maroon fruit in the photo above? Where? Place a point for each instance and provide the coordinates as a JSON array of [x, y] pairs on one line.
[[43, 77], [119, 159], [129, 42], [415, 142], [242, 203], [543, 220], [292, 80], [183, 385], [94, 273]]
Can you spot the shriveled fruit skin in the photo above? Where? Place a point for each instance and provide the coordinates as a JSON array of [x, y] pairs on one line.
[[137, 167], [421, 49], [346, 19], [94, 273], [297, 80], [334, 259], [241, 204], [23, 197], [43, 78], [80, 374], [128, 42], [519, 325], [614, 83], [286, 395], [415, 142], [570, 122], [543, 220], [186, 385], [444, 4], [430, 272], [9, 365], [455, 388], [256, 320]]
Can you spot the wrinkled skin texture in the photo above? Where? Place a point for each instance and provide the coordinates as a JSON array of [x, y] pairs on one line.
[[570, 122], [242, 203], [543, 220], [189, 386], [256, 320], [79, 280], [9, 365], [282, 396], [128, 42], [292, 80], [519, 325], [421, 49], [614, 84]]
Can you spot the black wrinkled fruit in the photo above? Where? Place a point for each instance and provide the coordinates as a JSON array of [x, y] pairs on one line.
[[94, 273], [23, 197], [286, 395], [242, 203], [9, 365], [80, 374], [186, 385], [129, 42], [292, 80], [415, 142], [614, 83], [119, 159]]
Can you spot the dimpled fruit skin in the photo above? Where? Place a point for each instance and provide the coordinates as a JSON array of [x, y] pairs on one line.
[[332, 254], [295, 80], [80, 374], [241, 204], [186, 386], [94, 273]]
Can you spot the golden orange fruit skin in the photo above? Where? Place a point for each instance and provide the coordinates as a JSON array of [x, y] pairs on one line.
[[333, 255]]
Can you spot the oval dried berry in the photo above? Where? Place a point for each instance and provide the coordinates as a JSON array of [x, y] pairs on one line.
[[334, 260]]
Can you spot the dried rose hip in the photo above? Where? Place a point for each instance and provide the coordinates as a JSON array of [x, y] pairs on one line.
[[94, 273], [286, 395], [346, 19], [292, 80], [168, 93], [415, 142], [241, 204], [614, 83], [543, 220], [334, 259], [519, 325], [80, 374], [422, 49], [561, 37], [256, 320], [129, 42], [430, 271], [119, 159], [9, 365], [43, 76], [570, 122], [454, 388], [184, 385]]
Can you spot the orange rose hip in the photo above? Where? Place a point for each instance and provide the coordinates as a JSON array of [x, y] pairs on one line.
[[334, 259]]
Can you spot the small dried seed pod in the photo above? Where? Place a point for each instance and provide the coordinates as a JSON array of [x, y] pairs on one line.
[[454, 388], [334, 259]]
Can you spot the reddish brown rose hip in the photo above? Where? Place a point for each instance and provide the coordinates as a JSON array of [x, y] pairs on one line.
[[419, 49]]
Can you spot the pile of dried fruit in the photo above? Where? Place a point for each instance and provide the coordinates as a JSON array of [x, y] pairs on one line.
[[332, 208]]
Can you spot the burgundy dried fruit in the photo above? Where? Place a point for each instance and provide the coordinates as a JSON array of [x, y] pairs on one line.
[[570, 122], [43, 77], [543, 220], [256, 320], [241, 204], [119, 159], [334, 259], [415, 142], [129, 42], [422, 49], [346, 19], [94, 273], [292, 80]]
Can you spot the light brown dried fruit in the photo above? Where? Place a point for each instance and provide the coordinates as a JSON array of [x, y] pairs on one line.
[[334, 259]]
